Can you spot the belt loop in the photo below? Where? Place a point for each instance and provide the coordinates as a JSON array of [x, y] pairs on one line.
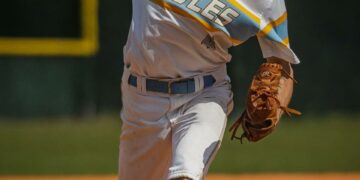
[[140, 84], [197, 84], [201, 82], [125, 76], [143, 85]]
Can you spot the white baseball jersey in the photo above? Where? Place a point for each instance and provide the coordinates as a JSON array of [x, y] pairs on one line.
[[182, 38]]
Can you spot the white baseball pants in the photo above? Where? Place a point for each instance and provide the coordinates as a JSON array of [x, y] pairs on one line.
[[169, 136]]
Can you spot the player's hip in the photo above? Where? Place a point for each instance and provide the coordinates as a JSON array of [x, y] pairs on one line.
[[151, 99]]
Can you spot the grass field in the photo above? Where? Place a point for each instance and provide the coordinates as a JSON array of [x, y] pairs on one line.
[[90, 146]]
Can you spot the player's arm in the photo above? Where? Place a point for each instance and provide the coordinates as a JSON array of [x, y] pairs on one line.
[[273, 36]]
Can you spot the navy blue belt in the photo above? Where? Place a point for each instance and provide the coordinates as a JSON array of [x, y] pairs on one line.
[[172, 87]]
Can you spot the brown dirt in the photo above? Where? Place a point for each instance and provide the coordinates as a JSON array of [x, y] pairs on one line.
[[328, 176]]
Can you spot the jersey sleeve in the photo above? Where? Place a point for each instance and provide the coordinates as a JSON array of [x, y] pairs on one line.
[[273, 35]]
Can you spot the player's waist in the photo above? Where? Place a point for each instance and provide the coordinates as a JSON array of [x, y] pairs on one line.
[[166, 87]]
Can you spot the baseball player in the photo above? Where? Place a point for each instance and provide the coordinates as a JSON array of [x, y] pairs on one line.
[[176, 93]]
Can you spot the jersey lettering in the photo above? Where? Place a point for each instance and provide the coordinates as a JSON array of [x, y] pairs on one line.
[[179, 1], [215, 11], [228, 15], [192, 5], [232, 17]]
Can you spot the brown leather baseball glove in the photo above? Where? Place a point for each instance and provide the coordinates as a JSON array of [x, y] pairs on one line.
[[263, 107]]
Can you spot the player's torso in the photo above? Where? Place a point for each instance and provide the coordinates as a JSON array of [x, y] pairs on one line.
[[182, 38]]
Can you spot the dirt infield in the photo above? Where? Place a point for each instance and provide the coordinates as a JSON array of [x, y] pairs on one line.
[[328, 176]]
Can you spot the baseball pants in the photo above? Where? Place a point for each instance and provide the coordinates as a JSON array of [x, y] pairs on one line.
[[168, 136]]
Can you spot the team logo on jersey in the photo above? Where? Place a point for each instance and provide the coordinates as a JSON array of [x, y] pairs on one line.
[[209, 42]]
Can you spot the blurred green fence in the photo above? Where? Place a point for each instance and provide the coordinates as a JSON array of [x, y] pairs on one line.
[[323, 33]]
